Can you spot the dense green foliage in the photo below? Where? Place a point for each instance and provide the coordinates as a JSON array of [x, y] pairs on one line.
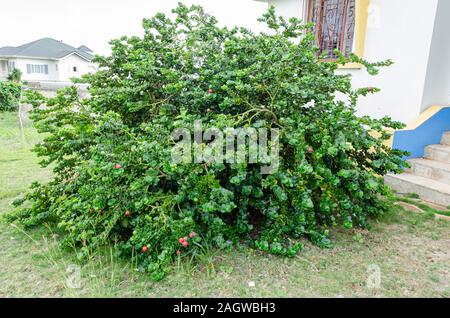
[[9, 95], [15, 75], [113, 177]]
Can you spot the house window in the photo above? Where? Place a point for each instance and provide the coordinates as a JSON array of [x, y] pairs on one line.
[[11, 66], [75, 69], [37, 69], [334, 25]]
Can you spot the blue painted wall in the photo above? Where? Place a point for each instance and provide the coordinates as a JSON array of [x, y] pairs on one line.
[[429, 133]]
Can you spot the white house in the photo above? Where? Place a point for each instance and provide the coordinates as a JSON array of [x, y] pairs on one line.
[[415, 34], [46, 60], [412, 33]]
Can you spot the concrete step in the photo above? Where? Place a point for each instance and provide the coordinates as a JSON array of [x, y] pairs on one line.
[[446, 138], [431, 169], [428, 189], [438, 153]]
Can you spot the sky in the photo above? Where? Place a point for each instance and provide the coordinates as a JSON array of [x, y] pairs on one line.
[[94, 22]]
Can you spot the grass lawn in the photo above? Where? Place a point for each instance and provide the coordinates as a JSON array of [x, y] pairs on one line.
[[412, 251]]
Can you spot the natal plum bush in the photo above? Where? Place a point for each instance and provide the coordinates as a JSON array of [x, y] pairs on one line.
[[114, 180]]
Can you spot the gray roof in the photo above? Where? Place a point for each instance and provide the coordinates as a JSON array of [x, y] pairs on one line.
[[85, 49], [44, 48]]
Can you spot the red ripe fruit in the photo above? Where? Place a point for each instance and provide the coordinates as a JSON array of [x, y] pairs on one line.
[[127, 213], [144, 249], [192, 234], [185, 244], [181, 240], [210, 91], [118, 166], [178, 252]]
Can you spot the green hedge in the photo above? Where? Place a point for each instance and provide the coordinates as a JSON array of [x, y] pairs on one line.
[[9, 96]]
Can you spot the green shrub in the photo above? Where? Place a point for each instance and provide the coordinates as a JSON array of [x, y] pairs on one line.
[[9, 96], [15, 75], [113, 176]]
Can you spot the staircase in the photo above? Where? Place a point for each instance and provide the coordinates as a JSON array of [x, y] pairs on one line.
[[429, 177]]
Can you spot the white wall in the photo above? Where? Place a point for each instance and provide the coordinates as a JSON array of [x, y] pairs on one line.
[[3, 68], [400, 30], [437, 83], [66, 65], [21, 64], [58, 70], [290, 8]]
